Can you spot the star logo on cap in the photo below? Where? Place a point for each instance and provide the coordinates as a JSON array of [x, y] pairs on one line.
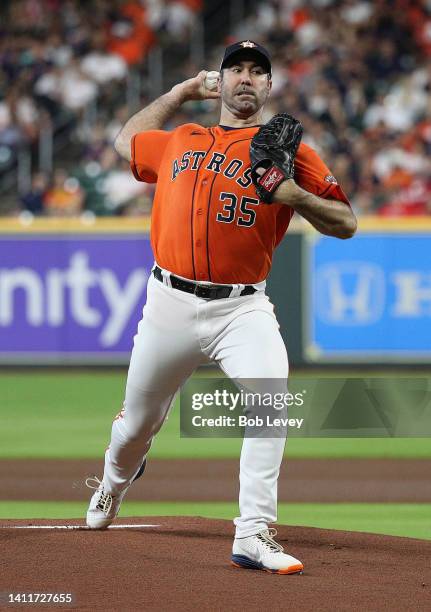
[[247, 43]]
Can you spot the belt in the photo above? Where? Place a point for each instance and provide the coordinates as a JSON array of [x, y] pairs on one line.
[[208, 292]]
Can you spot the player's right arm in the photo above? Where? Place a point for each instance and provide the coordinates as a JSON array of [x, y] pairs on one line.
[[155, 115]]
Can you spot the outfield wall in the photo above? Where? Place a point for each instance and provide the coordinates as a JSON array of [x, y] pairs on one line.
[[72, 291]]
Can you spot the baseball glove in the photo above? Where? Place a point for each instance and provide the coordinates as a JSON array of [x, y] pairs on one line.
[[272, 154]]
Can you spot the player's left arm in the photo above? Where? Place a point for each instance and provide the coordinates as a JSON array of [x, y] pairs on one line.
[[328, 216]]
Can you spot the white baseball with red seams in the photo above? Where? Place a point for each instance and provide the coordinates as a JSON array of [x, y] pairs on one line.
[[211, 80]]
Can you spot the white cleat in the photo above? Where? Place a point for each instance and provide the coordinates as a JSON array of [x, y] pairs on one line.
[[103, 506], [262, 552]]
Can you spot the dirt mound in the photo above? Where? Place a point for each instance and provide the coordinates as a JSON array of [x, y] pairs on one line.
[[184, 564]]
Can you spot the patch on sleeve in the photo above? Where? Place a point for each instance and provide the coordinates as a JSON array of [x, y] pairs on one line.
[[331, 179]]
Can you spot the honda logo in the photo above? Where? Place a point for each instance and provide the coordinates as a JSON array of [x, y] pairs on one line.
[[349, 293]]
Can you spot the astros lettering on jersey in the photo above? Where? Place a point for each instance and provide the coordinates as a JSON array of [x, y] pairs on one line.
[[207, 221]]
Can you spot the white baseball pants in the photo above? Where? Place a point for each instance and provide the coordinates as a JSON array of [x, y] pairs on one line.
[[177, 333]]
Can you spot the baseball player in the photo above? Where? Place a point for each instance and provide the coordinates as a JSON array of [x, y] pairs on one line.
[[224, 199]]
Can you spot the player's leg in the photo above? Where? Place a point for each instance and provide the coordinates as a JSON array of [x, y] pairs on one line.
[[165, 353], [251, 350], [159, 365]]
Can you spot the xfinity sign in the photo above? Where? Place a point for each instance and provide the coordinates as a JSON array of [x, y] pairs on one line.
[[45, 297], [369, 297], [72, 296]]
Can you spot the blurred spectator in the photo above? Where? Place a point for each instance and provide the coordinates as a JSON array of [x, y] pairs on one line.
[[101, 66], [110, 187], [65, 197], [130, 34], [33, 201], [120, 187], [180, 17], [18, 118], [74, 88]]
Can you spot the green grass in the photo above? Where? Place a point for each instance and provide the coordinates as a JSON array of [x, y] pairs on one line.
[[410, 520], [60, 414]]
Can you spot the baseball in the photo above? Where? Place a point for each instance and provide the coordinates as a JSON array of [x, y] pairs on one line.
[[211, 80]]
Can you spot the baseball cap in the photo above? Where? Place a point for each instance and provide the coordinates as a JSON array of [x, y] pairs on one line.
[[247, 48]]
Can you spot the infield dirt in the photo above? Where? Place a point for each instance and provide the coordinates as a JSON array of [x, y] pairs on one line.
[[184, 565]]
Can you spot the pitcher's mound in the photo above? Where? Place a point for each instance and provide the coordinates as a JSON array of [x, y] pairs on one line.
[[183, 563]]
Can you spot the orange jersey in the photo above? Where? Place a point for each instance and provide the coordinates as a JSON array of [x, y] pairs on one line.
[[207, 221]]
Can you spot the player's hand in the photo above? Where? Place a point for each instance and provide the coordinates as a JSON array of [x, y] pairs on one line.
[[273, 149], [194, 89]]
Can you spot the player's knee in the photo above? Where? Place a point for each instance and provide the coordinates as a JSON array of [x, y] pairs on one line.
[[140, 429]]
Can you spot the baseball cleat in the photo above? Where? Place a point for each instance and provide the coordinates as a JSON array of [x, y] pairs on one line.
[[103, 506], [262, 552]]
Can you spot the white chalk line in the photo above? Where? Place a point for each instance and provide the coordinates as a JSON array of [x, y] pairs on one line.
[[76, 527]]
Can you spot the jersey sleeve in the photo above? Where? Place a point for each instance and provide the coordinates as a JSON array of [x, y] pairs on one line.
[[313, 175], [147, 149]]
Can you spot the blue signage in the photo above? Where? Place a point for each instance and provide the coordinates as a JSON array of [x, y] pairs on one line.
[[369, 297]]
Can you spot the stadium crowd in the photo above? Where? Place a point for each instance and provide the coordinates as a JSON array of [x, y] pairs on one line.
[[356, 73]]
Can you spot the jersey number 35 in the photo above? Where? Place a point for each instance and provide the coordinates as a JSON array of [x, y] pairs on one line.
[[247, 216]]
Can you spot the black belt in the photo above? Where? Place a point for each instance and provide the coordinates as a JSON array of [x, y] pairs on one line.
[[208, 292]]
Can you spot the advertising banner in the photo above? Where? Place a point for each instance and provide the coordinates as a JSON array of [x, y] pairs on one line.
[[71, 298], [368, 298]]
